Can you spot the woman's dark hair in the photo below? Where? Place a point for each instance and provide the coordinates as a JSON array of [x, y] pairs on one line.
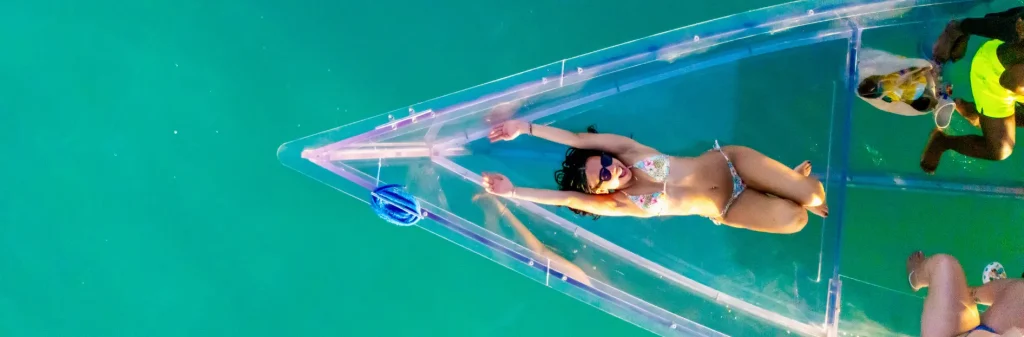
[[869, 88], [572, 177]]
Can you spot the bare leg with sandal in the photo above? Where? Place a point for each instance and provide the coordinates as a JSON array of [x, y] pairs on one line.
[[951, 307]]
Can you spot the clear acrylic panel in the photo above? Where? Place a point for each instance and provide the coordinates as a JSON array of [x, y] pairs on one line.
[[881, 157], [776, 79], [683, 115], [877, 299]]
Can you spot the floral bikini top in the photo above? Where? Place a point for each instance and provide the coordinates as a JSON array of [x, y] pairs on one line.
[[655, 166]]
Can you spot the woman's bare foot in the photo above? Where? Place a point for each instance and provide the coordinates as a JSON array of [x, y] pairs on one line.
[[820, 210], [804, 168], [933, 152], [914, 261]]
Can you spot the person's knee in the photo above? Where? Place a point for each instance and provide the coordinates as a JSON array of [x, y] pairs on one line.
[[944, 264], [964, 106], [817, 194], [793, 219], [1003, 149]]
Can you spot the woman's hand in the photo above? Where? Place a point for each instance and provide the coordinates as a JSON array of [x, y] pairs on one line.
[[508, 130], [498, 184]]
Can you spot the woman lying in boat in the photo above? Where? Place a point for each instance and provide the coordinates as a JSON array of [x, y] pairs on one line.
[[611, 175]]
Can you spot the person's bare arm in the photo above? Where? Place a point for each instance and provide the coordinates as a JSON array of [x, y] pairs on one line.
[[1013, 79], [607, 142], [595, 141], [600, 204]]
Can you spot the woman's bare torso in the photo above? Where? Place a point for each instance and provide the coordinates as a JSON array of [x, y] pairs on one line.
[[695, 185]]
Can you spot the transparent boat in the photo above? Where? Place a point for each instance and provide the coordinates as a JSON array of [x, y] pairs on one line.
[[779, 79]]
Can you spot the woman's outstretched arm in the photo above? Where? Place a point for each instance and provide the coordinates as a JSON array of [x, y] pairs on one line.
[[600, 204], [607, 142]]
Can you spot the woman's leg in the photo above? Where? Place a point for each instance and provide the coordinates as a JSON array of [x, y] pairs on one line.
[[760, 212], [949, 309], [996, 142], [1007, 309], [769, 176]]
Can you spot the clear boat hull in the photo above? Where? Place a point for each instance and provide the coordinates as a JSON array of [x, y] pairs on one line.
[[742, 79]]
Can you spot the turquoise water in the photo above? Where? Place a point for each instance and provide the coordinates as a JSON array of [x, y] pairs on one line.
[[113, 225], [144, 197]]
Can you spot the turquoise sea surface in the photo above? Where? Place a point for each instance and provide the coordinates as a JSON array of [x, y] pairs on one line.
[[143, 196]]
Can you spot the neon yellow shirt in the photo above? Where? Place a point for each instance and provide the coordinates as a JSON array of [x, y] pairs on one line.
[[991, 98]]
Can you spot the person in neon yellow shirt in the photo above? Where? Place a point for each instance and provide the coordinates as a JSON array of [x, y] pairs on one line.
[[997, 81]]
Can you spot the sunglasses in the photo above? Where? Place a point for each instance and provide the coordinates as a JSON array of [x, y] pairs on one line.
[[604, 174]]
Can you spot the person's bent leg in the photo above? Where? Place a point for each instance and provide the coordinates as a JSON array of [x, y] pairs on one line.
[[770, 176], [757, 211], [996, 142], [969, 111], [949, 309], [1007, 308]]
